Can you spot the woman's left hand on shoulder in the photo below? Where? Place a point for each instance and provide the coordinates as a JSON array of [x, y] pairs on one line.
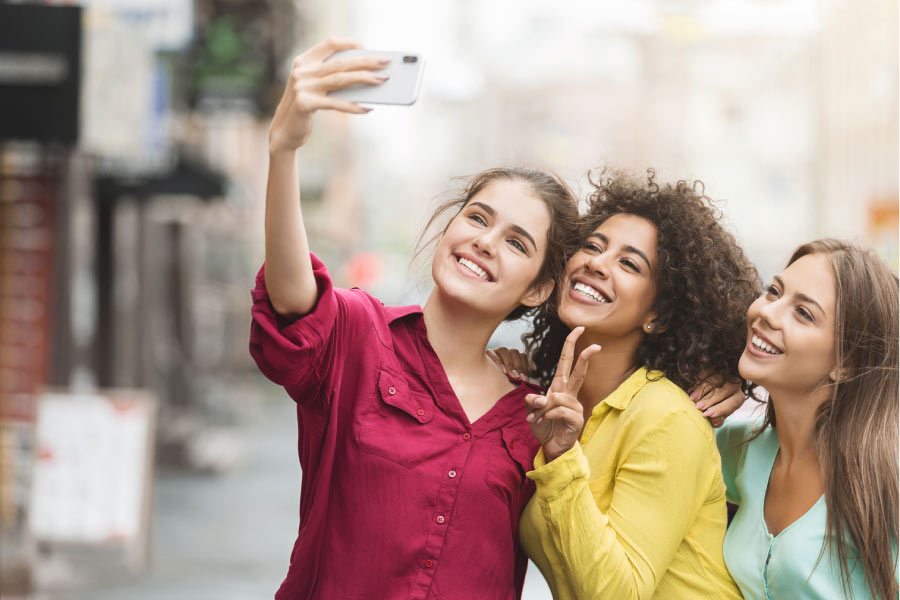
[[557, 418], [718, 402]]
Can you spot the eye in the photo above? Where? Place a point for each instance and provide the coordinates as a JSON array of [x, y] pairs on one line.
[[478, 219], [772, 291], [517, 244], [630, 265], [805, 314], [591, 247]]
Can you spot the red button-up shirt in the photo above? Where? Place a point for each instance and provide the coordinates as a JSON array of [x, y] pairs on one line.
[[401, 496]]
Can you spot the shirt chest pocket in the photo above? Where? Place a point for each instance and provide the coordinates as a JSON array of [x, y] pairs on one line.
[[507, 465], [397, 424]]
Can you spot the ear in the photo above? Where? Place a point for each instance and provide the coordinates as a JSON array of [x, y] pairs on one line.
[[538, 294], [837, 375], [653, 324]]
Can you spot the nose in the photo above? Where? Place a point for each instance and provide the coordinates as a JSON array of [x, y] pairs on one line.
[[770, 314], [596, 263], [485, 244]]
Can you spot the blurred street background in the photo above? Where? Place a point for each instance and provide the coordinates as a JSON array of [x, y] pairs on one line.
[[141, 454]]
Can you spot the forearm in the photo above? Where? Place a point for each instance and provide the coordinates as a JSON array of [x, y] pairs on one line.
[[596, 563], [289, 275], [607, 554]]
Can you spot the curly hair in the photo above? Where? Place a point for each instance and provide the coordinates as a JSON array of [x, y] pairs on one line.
[[704, 282]]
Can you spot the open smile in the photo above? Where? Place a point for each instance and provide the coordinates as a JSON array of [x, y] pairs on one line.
[[760, 346], [582, 290], [472, 267]]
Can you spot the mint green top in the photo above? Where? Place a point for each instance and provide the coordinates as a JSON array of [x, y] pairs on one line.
[[768, 566]]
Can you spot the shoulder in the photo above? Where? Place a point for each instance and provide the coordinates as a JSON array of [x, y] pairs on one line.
[[660, 400]]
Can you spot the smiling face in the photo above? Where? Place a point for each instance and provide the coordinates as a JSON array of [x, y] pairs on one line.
[[492, 251], [610, 284], [790, 329]]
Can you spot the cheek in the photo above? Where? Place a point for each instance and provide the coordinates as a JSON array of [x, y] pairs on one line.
[[818, 352]]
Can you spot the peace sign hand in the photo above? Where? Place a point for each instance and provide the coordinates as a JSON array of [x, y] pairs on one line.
[[556, 419]]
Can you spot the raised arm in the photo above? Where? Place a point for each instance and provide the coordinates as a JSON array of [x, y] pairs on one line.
[[289, 275]]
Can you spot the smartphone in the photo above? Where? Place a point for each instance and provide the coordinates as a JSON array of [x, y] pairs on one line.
[[404, 70]]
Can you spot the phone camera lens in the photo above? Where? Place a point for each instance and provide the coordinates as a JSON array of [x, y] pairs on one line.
[[410, 59]]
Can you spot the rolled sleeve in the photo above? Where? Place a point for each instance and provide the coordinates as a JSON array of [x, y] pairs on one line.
[[290, 353], [554, 478]]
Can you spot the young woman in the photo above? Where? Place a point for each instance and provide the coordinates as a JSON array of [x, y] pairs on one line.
[[816, 482], [630, 501], [413, 443]]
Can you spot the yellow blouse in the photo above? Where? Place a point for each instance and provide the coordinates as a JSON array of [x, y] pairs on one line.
[[637, 508]]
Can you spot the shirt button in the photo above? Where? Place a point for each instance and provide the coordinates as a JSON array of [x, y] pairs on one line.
[[429, 563], [420, 412], [451, 474], [392, 390], [440, 519], [467, 435]]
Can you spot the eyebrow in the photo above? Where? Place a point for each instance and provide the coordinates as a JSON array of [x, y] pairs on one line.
[[521, 231], [800, 295], [626, 248]]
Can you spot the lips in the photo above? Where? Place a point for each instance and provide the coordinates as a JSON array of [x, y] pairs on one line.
[[587, 291], [761, 346], [471, 266]]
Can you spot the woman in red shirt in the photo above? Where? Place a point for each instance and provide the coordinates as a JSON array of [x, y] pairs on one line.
[[413, 443]]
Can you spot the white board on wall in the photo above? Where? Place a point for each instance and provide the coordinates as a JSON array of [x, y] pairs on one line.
[[92, 480]]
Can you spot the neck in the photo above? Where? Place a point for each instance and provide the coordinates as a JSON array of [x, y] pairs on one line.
[[457, 334], [608, 369], [795, 418]]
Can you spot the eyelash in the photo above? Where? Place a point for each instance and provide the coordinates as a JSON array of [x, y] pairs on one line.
[[512, 242], [802, 312]]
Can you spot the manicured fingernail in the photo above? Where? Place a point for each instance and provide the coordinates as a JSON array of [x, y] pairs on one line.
[[694, 397], [701, 406], [708, 413], [382, 77], [539, 421], [383, 61], [515, 373], [540, 401], [366, 110], [530, 417]]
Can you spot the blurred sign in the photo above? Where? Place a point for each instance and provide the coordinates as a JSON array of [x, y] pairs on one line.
[[884, 221], [163, 24], [92, 479], [40, 61]]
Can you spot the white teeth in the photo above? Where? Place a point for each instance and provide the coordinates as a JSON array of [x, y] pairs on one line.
[[473, 267], [590, 292], [761, 345]]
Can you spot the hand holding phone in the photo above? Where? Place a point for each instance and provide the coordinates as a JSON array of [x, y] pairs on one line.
[[404, 74], [312, 77]]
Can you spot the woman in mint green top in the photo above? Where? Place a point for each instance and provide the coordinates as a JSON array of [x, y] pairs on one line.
[[765, 565], [816, 480]]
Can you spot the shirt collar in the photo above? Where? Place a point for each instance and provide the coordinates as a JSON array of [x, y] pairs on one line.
[[392, 313], [622, 396]]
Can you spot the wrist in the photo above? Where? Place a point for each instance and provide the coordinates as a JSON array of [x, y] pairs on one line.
[[551, 455], [280, 153]]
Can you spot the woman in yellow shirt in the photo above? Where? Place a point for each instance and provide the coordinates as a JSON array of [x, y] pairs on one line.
[[630, 501]]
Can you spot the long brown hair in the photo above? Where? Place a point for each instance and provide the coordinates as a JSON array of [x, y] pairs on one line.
[[856, 426], [562, 237]]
